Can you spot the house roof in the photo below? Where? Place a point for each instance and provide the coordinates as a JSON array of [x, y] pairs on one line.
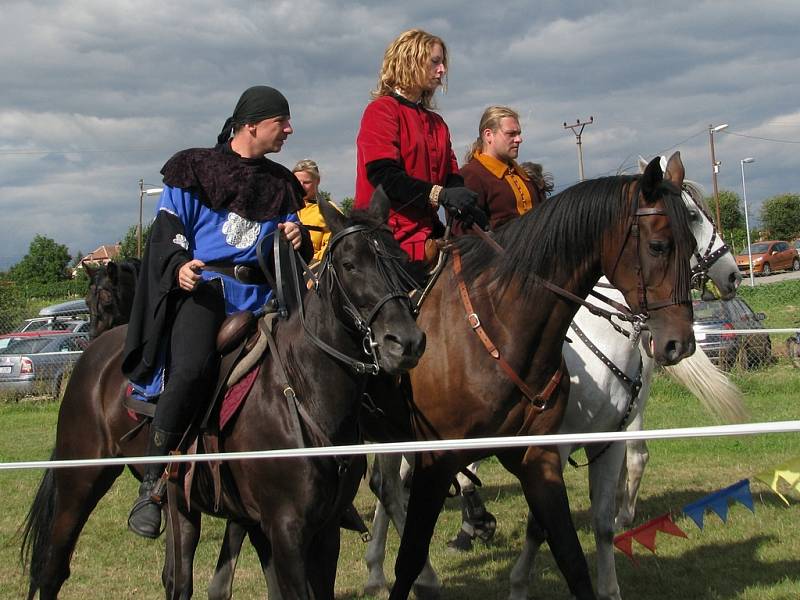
[[104, 253]]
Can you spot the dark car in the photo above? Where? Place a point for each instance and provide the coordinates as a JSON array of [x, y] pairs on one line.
[[713, 319], [39, 365]]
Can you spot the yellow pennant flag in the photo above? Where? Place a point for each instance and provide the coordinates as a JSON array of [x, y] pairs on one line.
[[789, 472]]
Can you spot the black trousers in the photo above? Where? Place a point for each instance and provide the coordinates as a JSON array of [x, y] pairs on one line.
[[193, 360]]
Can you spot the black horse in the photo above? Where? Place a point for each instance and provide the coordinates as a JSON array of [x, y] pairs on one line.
[[295, 505], [110, 294]]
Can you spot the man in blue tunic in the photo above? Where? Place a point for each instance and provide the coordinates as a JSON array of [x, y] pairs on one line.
[[201, 264]]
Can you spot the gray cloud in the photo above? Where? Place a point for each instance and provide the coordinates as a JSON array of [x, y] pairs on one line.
[[98, 94]]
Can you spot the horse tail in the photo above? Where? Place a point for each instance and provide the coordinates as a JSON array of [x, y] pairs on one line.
[[37, 529], [717, 393]]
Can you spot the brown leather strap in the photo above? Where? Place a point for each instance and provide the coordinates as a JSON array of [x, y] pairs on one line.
[[539, 402]]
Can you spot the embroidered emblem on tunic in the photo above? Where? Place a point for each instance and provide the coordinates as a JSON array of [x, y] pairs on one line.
[[181, 241], [240, 232]]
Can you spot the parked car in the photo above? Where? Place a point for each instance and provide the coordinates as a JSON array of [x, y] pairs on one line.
[[726, 350], [65, 317], [36, 365], [769, 256]]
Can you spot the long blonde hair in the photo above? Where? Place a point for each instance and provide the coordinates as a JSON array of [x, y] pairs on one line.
[[489, 120], [405, 64]]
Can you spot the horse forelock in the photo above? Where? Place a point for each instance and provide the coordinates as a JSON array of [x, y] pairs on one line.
[[683, 239], [556, 236]]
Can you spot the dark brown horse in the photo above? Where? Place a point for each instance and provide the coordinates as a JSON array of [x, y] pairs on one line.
[[633, 229], [295, 504], [110, 294]]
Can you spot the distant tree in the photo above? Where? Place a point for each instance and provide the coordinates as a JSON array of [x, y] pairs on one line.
[[730, 210], [128, 245], [347, 205], [326, 195], [780, 216], [76, 258], [45, 262]]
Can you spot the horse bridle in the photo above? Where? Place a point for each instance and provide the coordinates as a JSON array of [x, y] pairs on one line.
[[699, 272], [633, 231], [362, 324]]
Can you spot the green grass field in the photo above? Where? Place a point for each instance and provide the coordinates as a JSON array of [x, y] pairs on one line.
[[751, 556]]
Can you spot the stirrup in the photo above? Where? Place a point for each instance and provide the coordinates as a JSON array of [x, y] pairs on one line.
[[142, 518]]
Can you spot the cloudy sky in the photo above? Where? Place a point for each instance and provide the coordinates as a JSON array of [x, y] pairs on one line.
[[98, 94]]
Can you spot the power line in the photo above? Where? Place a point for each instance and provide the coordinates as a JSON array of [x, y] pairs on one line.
[[766, 139]]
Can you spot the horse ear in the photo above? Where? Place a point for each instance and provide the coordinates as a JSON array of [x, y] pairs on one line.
[[112, 271], [675, 171], [642, 164], [335, 220], [379, 205], [90, 271], [651, 178]]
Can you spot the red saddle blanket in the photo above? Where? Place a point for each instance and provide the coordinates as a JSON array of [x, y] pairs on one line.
[[234, 397]]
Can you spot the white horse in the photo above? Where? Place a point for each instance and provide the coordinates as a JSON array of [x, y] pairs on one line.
[[600, 400]]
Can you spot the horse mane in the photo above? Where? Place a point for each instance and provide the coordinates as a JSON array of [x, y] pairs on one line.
[[560, 233]]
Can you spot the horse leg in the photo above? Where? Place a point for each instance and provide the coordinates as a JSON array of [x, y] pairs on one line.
[[521, 575], [189, 530], [63, 503], [539, 472], [630, 478], [429, 486], [383, 466], [476, 521], [604, 475], [388, 484], [289, 548], [221, 586], [324, 555]]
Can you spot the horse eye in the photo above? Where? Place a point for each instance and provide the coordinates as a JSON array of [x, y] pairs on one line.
[[658, 247], [348, 266]]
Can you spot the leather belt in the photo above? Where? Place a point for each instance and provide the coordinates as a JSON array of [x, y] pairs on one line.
[[241, 273]]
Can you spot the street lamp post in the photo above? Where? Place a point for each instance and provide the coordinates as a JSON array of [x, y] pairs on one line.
[[747, 219], [715, 169], [152, 191]]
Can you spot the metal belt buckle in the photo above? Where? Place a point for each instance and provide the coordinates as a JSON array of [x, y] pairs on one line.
[[240, 273], [474, 321]]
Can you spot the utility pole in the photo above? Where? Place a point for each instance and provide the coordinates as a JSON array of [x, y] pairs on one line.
[[715, 169], [139, 227], [577, 129]]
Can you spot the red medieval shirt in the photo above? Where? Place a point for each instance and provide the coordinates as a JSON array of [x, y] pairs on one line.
[[397, 132]]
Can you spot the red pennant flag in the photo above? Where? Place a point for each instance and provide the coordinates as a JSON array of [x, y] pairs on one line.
[[646, 535]]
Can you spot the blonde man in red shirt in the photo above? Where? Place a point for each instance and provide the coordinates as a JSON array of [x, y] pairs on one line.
[[405, 147]]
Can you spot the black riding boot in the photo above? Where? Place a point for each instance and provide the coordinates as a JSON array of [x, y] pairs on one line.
[[145, 516], [476, 522]]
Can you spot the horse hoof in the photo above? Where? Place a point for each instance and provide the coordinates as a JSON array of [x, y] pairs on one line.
[[461, 543], [426, 592], [376, 590]]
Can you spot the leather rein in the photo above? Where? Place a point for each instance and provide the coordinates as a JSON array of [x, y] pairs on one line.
[[327, 270], [541, 401]]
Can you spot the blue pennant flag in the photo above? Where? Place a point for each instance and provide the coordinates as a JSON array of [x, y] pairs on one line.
[[718, 502]]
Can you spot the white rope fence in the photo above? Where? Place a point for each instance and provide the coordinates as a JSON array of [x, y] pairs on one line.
[[426, 446]]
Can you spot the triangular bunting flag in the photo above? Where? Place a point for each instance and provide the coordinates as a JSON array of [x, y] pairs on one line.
[[789, 472], [646, 535], [718, 502]]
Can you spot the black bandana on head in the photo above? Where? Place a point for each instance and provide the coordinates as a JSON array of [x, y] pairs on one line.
[[256, 104]]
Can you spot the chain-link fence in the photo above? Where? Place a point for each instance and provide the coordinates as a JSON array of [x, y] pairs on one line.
[[43, 331], [40, 338]]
